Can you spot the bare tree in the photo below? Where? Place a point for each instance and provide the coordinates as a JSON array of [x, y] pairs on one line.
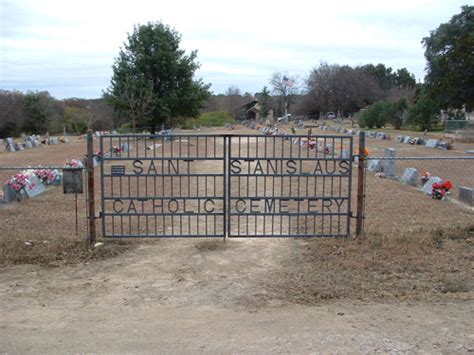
[[284, 87]]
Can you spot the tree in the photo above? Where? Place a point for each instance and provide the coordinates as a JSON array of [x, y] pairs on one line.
[[284, 87], [39, 111], [152, 64], [340, 88], [265, 102], [449, 51], [424, 114]]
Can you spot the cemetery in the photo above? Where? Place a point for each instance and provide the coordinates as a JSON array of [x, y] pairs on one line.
[[407, 229]]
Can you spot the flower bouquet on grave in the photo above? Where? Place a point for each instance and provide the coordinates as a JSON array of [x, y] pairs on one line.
[[441, 189], [73, 163], [47, 176], [116, 150], [425, 177], [17, 184]]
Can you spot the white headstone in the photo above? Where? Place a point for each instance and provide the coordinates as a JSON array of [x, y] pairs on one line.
[[428, 186], [34, 187], [28, 145], [411, 176], [406, 139], [431, 143], [10, 141], [380, 135], [374, 165]]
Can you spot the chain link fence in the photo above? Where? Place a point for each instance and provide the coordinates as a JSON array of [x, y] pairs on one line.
[[400, 196]]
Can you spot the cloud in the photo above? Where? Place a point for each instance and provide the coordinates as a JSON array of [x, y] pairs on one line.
[[68, 48]]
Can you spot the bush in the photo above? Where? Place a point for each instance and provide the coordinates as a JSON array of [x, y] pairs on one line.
[[208, 119], [381, 113]]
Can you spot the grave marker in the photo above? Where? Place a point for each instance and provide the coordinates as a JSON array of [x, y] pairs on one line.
[[466, 194], [389, 164], [428, 186], [374, 165], [431, 143], [411, 176], [34, 187]]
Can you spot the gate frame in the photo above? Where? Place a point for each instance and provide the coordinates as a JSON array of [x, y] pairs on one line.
[[226, 157]]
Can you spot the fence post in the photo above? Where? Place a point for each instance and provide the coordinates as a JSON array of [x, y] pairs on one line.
[[360, 183], [90, 186]]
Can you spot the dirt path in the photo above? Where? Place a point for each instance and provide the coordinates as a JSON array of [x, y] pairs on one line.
[[207, 296]]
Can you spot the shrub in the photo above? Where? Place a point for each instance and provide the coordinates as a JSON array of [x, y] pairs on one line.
[[208, 119]]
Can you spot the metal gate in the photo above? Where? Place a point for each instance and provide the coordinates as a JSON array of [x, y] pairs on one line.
[[224, 185]]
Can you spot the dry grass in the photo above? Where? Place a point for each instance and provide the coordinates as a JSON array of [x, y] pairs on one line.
[[406, 253], [433, 266]]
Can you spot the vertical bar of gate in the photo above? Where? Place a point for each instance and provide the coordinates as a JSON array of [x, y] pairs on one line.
[[360, 183], [349, 192], [102, 206], [224, 183], [90, 186]]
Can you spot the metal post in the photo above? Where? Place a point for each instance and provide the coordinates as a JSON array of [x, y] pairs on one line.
[[360, 184], [90, 186]]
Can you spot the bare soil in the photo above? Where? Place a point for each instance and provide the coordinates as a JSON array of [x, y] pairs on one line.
[[405, 286]]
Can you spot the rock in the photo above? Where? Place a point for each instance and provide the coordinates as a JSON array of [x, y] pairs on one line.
[[411, 176], [98, 244]]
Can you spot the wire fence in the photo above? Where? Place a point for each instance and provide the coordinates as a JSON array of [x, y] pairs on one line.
[[410, 194]]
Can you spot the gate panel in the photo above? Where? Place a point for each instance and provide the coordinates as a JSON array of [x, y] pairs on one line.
[[163, 186], [281, 186]]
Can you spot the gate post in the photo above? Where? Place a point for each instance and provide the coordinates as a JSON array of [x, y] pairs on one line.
[[360, 184], [90, 187]]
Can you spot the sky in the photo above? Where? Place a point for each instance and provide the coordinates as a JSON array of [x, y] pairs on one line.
[[68, 47]]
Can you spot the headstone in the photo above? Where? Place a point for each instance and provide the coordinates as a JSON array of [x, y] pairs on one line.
[[19, 146], [1, 141], [411, 176], [11, 148], [428, 186], [10, 141], [406, 139], [28, 145], [389, 164], [431, 143], [10, 195], [34, 187], [466, 194], [380, 135], [125, 147], [54, 140], [35, 143], [153, 146], [374, 165]]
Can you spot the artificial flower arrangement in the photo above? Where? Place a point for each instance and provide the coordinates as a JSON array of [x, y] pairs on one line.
[[47, 176], [116, 150], [18, 181], [73, 163]]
